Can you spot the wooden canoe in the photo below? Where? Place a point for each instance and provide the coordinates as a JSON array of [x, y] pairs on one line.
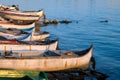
[[12, 7], [21, 37], [20, 34], [46, 61], [7, 24], [39, 36], [31, 36], [28, 45], [22, 15]]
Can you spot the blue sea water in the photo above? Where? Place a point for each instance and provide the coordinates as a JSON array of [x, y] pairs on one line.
[[85, 28]]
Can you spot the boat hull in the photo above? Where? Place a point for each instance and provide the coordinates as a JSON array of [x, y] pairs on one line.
[[43, 64], [40, 37], [54, 63], [9, 47], [5, 24], [34, 37], [22, 16]]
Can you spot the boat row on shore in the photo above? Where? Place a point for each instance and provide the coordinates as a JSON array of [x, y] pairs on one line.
[[55, 60], [23, 36], [23, 48], [19, 16]]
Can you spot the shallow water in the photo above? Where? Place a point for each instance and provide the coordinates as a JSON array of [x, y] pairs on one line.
[[85, 28]]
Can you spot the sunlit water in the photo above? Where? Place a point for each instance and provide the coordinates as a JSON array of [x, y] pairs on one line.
[[85, 28]]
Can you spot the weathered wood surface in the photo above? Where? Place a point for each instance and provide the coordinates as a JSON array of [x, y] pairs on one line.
[[22, 15], [7, 24], [28, 46], [48, 63]]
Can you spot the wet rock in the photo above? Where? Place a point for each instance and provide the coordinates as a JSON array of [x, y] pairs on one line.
[[46, 21], [51, 21], [76, 21], [104, 21], [65, 21], [55, 21]]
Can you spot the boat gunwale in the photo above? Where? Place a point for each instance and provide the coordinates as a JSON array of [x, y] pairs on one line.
[[86, 51], [19, 13], [25, 42], [9, 23]]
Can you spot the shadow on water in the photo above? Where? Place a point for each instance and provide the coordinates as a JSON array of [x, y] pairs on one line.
[[71, 74]]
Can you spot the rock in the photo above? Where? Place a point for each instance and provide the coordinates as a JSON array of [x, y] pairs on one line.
[[65, 21], [46, 21], [104, 21], [55, 21]]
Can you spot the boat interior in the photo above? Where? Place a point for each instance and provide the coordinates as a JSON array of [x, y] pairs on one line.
[[6, 41], [43, 54]]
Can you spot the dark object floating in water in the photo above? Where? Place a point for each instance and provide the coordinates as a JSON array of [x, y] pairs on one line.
[[65, 21], [76, 21], [104, 21], [56, 21]]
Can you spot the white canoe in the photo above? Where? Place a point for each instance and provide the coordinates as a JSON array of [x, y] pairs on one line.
[[22, 15], [12, 7], [46, 61], [7, 24], [39, 36], [34, 36], [28, 45]]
